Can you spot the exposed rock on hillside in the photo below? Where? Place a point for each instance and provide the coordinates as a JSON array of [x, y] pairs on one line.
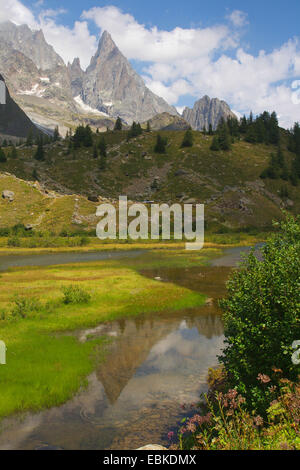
[[207, 111], [168, 122], [112, 86]]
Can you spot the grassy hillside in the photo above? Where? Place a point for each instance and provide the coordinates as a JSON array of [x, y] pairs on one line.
[[228, 183]]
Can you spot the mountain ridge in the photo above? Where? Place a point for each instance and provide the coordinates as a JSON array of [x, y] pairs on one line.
[[207, 111]]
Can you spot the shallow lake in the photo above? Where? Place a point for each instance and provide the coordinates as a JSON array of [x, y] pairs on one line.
[[154, 371]]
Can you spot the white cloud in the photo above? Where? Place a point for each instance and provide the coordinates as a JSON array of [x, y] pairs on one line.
[[68, 42], [238, 18], [154, 45], [15, 11], [181, 62]]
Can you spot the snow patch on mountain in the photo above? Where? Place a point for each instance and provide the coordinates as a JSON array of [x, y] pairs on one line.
[[87, 109]]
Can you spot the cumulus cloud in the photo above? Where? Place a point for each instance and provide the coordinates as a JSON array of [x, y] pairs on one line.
[[182, 61], [138, 42], [68, 42], [238, 18], [13, 10]]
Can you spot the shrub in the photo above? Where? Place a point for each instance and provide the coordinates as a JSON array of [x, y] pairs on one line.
[[24, 306], [262, 315], [14, 241], [75, 295], [229, 426]]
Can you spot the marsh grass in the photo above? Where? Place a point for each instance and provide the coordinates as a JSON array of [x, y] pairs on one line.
[[45, 367]]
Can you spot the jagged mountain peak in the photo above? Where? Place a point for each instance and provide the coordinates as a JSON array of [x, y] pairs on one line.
[[112, 85], [32, 44], [207, 111]]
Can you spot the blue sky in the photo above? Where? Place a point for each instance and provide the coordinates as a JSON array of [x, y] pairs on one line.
[[272, 22], [186, 49]]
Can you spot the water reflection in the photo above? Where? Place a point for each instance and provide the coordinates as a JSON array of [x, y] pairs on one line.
[[152, 367]]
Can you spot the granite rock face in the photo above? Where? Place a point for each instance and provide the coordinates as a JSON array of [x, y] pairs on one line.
[[32, 44], [207, 111], [112, 86], [76, 76], [168, 122]]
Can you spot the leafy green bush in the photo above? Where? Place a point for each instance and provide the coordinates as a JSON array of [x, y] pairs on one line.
[[14, 241], [75, 295], [262, 315], [24, 306]]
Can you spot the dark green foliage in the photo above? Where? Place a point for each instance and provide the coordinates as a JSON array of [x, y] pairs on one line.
[[83, 137], [188, 139], [40, 154], [262, 129], [29, 140], [103, 153], [277, 167], [210, 130], [95, 152], [56, 135], [215, 144], [118, 125], [3, 158], [243, 125], [161, 143], [222, 139], [134, 131], [294, 146], [262, 315], [148, 127], [75, 295], [13, 153], [233, 126]]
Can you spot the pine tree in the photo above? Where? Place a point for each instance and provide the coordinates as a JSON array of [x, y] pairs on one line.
[[223, 136], [210, 130], [103, 154], [148, 127], [160, 146], [251, 134], [29, 140], [3, 158], [134, 131], [56, 134], [13, 152], [95, 152], [243, 125], [273, 129], [88, 137], [188, 139], [102, 147], [215, 144], [118, 124], [39, 154]]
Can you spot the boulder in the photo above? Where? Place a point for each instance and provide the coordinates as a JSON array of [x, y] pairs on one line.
[[153, 447], [9, 195]]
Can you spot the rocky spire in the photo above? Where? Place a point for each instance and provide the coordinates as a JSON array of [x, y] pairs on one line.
[[112, 85]]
